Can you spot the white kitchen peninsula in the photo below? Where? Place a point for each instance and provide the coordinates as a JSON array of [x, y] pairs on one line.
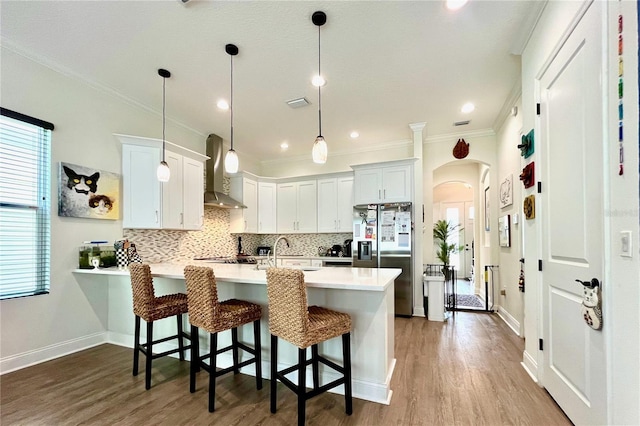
[[364, 293]]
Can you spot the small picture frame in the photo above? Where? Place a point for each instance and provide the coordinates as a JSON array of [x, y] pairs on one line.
[[487, 216], [504, 224]]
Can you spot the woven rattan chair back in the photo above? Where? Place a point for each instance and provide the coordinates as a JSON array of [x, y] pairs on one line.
[[202, 298], [144, 298], [288, 310]]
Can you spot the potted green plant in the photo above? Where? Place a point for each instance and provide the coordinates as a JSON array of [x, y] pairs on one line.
[[442, 232]]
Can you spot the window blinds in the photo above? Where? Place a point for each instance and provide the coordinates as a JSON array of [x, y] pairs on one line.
[[25, 175]]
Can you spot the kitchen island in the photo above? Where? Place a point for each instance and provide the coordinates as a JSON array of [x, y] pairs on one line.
[[367, 294]]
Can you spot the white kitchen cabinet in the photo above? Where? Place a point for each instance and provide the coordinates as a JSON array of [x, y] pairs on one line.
[[297, 207], [182, 201], [244, 190], [335, 204], [267, 208], [141, 190], [150, 204], [287, 263], [384, 184]]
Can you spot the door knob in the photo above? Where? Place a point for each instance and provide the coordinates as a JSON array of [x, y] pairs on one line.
[[591, 284]]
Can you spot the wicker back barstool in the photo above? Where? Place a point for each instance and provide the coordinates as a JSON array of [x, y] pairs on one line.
[[151, 308], [292, 320], [206, 312]]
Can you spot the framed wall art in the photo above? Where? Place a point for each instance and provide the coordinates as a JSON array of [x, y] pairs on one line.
[[506, 192], [88, 193], [504, 224]]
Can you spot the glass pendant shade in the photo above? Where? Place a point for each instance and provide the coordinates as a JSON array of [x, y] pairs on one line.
[[163, 172], [231, 162], [319, 152]]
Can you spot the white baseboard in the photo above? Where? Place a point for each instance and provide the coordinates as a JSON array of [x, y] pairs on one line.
[[418, 311], [37, 356], [509, 320], [530, 366]]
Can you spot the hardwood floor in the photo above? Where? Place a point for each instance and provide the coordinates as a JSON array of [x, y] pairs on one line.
[[463, 372]]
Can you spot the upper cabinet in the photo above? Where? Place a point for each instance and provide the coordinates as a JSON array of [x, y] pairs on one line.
[[383, 183], [246, 191], [335, 204], [296, 207], [267, 219], [150, 204]]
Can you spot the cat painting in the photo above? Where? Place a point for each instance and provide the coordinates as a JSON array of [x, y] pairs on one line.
[[87, 193]]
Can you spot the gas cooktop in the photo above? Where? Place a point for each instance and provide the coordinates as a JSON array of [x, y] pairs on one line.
[[228, 259]]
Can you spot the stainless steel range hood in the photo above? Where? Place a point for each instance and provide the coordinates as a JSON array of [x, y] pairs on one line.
[[213, 195]]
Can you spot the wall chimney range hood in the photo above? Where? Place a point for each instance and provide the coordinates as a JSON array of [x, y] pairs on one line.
[[214, 195]]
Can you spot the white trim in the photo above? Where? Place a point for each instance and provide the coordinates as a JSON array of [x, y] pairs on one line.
[[530, 366], [468, 134], [509, 320], [37, 356], [67, 72]]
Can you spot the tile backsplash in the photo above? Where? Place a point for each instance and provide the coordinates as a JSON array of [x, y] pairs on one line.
[[215, 239]]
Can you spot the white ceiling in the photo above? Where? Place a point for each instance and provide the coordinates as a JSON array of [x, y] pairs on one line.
[[387, 63]]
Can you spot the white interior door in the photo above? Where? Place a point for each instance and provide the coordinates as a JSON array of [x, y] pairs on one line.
[[571, 165]]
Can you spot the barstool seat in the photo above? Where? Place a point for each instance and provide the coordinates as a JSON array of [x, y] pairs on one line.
[[208, 313], [151, 308], [291, 319]]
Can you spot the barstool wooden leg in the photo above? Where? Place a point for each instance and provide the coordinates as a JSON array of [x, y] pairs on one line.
[[274, 372], [258, 349], [213, 347], [147, 378], [302, 385], [195, 358], [346, 357], [180, 342], [234, 349], [314, 365], [136, 346]]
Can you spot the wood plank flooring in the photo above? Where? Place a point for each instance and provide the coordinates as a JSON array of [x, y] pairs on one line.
[[463, 372]]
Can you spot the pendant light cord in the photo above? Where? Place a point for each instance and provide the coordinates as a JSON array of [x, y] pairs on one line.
[[319, 89], [231, 105], [164, 83]]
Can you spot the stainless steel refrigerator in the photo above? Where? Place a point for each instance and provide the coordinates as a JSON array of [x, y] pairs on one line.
[[383, 238]]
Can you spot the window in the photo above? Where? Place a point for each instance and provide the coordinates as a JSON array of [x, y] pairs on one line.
[[25, 207]]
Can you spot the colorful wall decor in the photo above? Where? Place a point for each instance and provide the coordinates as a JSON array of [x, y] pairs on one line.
[[620, 94], [529, 207], [527, 146], [88, 193], [528, 176]]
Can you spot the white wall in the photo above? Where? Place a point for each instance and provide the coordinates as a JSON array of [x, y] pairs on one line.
[[621, 297], [72, 315], [511, 305]]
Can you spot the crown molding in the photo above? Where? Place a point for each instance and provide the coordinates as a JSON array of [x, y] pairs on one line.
[[509, 103], [67, 72], [470, 134]]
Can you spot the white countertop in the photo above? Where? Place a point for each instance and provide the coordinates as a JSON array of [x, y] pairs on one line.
[[365, 279]]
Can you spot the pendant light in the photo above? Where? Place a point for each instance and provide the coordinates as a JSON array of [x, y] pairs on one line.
[[163, 173], [231, 159], [319, 152]]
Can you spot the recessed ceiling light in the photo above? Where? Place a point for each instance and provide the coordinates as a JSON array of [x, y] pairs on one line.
[[318, 81], [354, 135], [222, 104], [284, 146], [455, 4], [468, 107]]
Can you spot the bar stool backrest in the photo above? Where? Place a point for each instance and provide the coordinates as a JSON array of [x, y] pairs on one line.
[[202, 297], [288, 310], [142, 287]]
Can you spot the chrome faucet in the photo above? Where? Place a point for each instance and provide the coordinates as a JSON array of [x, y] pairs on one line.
[[275, 250]]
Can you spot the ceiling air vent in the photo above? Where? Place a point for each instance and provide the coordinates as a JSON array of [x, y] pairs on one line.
[[462, 123], [298, 103]]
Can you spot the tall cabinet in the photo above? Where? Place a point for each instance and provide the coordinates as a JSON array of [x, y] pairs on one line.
[[150, 204], [335, 204]]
